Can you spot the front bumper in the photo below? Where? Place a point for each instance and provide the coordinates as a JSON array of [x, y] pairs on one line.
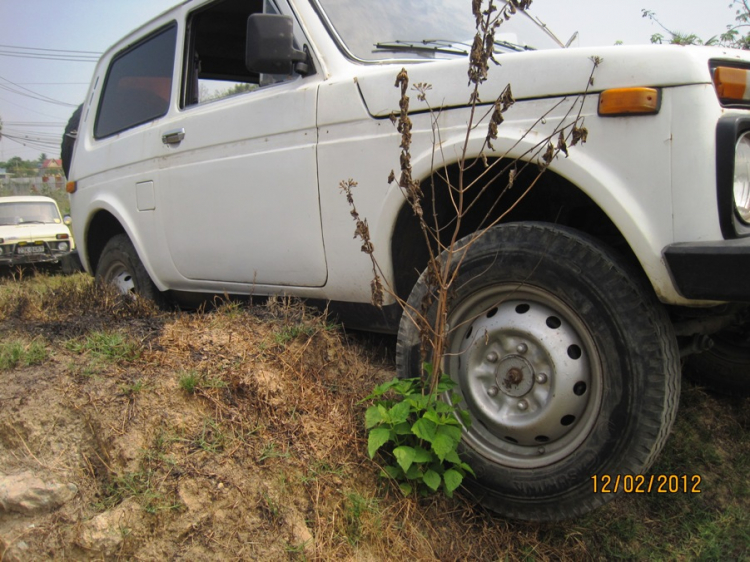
[[717, 271], [12, 257]]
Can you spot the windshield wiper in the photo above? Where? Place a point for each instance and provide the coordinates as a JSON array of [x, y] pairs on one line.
[[514, 46], [431, 45]]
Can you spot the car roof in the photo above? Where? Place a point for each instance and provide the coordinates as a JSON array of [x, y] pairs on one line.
[[27, 199]]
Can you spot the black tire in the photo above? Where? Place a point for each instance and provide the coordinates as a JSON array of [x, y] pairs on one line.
[[71, 264], [566, 362], [120, 265], [725, 368], [69, 140]]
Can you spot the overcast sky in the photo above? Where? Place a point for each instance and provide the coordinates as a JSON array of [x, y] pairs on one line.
[[37, 95]]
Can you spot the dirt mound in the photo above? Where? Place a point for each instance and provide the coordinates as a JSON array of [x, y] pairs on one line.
[[234, 434]]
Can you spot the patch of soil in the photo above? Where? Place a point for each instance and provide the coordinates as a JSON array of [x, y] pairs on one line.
[[223, 469]]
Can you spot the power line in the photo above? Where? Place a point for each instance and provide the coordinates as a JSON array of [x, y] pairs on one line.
[[66, 55], [48, 50], [53, 83], [33, 142], [82, 58], [46, 135], [29, 109], [33, 124], [32, 94]]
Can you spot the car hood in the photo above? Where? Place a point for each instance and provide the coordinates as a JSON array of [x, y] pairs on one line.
[[31, 232], [548, 73]]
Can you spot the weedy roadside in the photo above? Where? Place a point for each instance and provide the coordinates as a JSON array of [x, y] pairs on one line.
[[237, 433]]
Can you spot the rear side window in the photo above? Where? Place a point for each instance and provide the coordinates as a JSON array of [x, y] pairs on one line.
[[138, 84]]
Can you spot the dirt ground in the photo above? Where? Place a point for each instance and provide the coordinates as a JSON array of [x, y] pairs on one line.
[[223, 466], [235, 434]]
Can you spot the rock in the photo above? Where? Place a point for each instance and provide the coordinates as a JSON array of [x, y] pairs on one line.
[[105, 532], [301, 535], [17, 553], [28, 494]]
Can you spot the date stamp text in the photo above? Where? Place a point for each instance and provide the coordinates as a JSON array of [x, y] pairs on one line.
[[647, 483]]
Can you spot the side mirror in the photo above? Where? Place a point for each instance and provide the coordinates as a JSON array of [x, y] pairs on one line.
[[270, 46]]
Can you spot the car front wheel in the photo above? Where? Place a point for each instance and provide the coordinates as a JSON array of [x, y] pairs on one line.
[[565, 361], [725, 368]]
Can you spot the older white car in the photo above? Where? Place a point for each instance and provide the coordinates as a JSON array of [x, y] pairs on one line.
[[32, 231], [214, 138]]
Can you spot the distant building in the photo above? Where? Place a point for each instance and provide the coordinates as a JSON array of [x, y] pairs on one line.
[[52, 166]]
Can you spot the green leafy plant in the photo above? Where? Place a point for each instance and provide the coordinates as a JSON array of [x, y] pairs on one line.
[[416, 433]]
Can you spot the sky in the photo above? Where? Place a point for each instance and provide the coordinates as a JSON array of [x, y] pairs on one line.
[[38, 94]]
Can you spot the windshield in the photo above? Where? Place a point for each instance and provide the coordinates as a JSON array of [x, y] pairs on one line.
[[422, 28], [29, 212]]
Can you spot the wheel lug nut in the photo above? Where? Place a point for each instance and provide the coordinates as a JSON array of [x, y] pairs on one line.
[[493, 391], [541, 450], [522, 348], [541, 378], [492, 357], [523, 405]]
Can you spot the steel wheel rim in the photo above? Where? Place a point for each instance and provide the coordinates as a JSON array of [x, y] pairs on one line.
[[120, 276], [528, 372]]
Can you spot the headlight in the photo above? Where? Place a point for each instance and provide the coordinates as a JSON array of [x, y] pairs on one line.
[[742, 178], [63, 246]]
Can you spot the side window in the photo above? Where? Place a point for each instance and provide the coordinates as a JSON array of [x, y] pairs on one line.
[[215, 52], [138, 84]]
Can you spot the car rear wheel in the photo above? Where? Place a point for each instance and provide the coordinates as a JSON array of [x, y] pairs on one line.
[[566, 363], [120, 266]]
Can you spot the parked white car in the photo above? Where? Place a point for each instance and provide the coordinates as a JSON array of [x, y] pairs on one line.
[[32, 231], [569, 318]]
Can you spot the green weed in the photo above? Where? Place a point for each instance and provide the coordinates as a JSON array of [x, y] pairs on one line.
[[356, 508], [212, 438], [139, 485], [290, 333], [109, 347], [189, 382], [19, 354], [132, 389], [269, 452]]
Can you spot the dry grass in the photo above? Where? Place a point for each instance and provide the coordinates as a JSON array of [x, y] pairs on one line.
[[237, 434]]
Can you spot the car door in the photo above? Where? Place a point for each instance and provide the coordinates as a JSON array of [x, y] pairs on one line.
[[239, 197]]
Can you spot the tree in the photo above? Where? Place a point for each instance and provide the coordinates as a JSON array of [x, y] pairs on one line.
[[20, 167], [736, 36]]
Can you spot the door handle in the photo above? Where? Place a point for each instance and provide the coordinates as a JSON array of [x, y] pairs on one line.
[[173, 137]]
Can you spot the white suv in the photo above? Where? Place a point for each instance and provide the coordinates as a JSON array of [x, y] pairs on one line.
[[214, 138]]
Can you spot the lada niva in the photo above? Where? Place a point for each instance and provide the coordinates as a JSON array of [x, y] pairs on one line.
[[32, 231], [213, 140]]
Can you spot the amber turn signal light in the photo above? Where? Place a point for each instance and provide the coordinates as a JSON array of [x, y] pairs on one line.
[[732, 84], [71, 187], [629, 101]]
